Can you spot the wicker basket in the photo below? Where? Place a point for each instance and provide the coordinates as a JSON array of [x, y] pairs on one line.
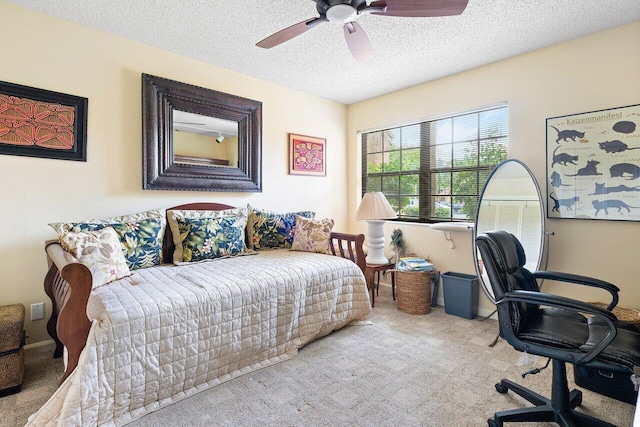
[[11, 350], [413, 291], [629, 315]]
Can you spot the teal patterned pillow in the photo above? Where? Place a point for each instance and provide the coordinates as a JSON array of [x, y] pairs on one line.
[[267, 230], [209, 238], [141, 240], [172, 223], [140, 235]]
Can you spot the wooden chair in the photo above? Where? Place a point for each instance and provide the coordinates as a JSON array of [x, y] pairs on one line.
[[349, 246]]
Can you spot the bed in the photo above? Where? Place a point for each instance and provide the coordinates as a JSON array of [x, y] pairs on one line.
[[169, 331]]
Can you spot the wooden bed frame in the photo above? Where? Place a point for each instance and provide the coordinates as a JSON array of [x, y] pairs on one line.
[[68, 285]]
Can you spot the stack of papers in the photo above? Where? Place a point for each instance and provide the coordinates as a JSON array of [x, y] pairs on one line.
[[414, 264]]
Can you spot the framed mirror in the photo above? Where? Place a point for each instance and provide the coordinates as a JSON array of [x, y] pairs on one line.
[[511, 200], [195, 138]]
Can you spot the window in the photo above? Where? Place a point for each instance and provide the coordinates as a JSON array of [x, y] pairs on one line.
[[434, 170]]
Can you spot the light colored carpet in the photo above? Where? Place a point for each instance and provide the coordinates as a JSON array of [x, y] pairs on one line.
[[404, 370]]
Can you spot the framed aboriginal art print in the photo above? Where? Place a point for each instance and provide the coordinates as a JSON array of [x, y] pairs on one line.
[[307, 155], [593, 165], [40, 123]]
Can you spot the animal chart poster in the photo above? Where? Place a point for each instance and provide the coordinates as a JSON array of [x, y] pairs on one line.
[[593, 165]]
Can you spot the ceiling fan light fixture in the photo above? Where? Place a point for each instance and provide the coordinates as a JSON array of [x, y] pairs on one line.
[[341, 13], [347, 11]]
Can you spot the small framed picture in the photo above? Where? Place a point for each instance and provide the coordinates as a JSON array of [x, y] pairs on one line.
[[307, 155], [40, 123]]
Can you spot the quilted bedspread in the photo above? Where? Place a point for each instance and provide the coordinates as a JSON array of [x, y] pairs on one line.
[[168, 332]]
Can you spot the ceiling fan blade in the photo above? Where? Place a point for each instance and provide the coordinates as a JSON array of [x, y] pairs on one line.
[[421, 8], [357, 41], [289, 33]]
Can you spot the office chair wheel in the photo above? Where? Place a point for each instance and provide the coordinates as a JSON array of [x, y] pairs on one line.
[[492, 423], [501, 388]]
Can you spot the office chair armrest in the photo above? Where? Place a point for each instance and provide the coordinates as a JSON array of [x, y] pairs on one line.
[[581, 280], [557, 301]]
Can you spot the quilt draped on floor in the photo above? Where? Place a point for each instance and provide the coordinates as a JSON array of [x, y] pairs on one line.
[[168, 332]]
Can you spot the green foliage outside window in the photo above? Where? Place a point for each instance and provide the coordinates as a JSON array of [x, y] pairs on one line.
[[461, 158]]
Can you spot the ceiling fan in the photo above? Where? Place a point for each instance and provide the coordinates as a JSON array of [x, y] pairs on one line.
[[347, 11]]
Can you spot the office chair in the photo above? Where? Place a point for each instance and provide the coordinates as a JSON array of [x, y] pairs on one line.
[[552, 326]]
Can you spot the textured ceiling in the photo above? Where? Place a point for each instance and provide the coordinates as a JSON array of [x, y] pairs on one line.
[[408, 51]]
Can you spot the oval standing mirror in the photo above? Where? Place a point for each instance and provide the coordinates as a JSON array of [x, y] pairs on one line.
[[511, 201]]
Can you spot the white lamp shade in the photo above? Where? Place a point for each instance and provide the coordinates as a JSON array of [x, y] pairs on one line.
[[375, 206]]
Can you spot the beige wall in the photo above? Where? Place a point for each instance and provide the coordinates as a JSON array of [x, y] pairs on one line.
[[591, 73], [45, 52]]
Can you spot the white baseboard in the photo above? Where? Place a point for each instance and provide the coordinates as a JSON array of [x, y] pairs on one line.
[[482, 312], [40, 347]]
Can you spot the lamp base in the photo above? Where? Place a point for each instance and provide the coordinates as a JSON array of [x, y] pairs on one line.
[[376, 261], [375, 236]]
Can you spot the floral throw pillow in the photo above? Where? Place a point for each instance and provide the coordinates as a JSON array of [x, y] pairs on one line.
[[174, 215], [268, 230], [100, 251], [210, 238], [140, 235], [312, 235]]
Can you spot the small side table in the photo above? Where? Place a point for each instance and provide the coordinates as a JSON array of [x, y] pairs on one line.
[[370, 272]]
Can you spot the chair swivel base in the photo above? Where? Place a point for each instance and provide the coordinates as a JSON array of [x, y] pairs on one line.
[[559, 409]]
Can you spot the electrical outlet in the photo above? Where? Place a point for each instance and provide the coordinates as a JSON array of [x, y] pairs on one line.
[[37, 311]]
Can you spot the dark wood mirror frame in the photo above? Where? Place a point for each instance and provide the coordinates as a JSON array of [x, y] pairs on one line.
[[160, 97]]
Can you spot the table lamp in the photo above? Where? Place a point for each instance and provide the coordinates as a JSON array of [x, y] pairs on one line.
[[374, 209]]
